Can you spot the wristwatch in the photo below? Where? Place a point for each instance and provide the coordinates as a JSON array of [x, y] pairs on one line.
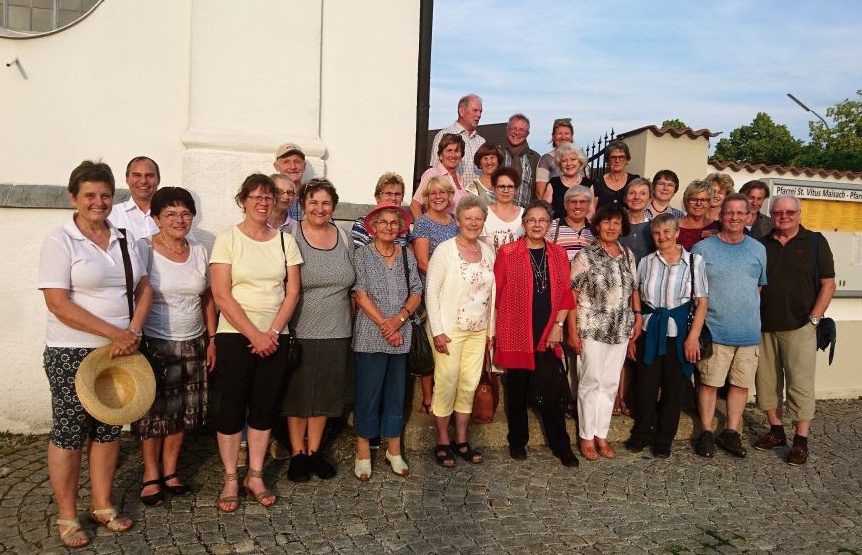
[[814, 320]]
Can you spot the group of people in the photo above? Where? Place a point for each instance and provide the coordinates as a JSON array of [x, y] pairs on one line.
[[510, 252]]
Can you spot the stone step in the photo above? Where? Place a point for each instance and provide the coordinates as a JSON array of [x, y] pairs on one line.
[[420, 432]]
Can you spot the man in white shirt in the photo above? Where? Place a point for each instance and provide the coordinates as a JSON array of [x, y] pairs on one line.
[[142, 177], [290, 161], [469, 114]]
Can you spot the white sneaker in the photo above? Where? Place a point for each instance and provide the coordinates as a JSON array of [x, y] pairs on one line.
[[362, 469]]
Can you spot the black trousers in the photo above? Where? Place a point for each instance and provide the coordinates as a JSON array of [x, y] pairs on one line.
[[658, 395], [553, 421]]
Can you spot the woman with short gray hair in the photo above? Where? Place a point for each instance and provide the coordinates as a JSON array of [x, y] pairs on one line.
[[571, 160]]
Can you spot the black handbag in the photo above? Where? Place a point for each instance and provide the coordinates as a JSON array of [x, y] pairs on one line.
[[549, 384], [294, 349], [420, 358], [705, 339]]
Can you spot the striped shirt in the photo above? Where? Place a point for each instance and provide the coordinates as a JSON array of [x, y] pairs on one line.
[[570, 239], [664, 285]]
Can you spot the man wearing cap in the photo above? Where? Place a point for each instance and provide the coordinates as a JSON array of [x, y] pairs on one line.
[[133, 215], [801, 274], [521, 157], [469, 114], [290, 161]]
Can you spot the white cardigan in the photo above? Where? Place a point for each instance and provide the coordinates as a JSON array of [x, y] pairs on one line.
[[444, 289]]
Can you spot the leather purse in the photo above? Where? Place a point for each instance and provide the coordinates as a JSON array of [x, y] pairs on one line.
[[549, 385], [420, 357], [487, 395]]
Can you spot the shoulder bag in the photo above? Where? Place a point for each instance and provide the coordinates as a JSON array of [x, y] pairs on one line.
[[294, 349], [705, 339], [549, 385], [487, 395], [420, 358]]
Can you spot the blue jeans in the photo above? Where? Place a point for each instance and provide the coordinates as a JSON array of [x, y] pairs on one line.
[[380, 380]]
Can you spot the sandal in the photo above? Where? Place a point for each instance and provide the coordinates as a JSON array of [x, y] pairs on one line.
[[152, 499], [587, 448], [115, 522], [604, 449], [261, 495], [444, 455], [180, 489], [467, 453], [425, 409], [73, 536], [228, 503]]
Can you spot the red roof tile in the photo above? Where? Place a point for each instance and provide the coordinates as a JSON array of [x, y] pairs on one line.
[[659, 131], [792, 170]]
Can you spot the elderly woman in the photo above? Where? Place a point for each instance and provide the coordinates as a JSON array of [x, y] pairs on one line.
[[488, 158], [533, 298], [607, 313], [458, 297], [178, 341], [562, 132], [83, 279], [430, 229], [668, 349], [722, 185], [280, 218], [389, 188], [695, 225], [254, 271], [572, 231], [665, 184], [319, 388], [388, 291], [611, 187], [504, 217], [571, 160], [450, 150]]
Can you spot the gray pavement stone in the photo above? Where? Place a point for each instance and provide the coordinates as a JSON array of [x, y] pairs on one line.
[[632, 504]]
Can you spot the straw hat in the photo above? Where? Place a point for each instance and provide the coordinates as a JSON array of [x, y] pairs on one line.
[[115, 390]]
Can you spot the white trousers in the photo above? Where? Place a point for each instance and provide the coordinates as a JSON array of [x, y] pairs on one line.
[[599, 367]]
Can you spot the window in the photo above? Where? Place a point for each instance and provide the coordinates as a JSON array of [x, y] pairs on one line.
[[28, 18]]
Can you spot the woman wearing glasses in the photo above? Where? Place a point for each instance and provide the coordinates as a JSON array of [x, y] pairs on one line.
[[255, 282], [695, 225], [389, 189], [177, 340], [533, 299], [562, 133], [450, 150], [611, 187], [503, 224]]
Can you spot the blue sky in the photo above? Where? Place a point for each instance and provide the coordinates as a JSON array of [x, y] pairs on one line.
[[628, 63]]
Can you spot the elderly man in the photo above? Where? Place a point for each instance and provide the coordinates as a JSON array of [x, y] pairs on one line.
[[142, 177], [735, 270], [290, 161], [521, 157], [280, 218], [469, 114], [801, 276]]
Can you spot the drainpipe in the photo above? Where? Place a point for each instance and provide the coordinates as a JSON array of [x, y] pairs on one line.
[[423, 90]]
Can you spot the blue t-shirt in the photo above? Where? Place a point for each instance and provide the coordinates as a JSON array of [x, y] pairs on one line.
[[734, 272]]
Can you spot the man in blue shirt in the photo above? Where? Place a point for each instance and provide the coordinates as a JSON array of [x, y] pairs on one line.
[[736, 270]]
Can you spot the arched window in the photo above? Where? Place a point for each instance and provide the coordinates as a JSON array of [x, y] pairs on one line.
[[30, 18]]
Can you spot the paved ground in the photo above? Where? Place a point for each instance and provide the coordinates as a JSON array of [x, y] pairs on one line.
[[633, 504]]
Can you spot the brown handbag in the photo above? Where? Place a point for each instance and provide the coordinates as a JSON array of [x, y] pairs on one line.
[[487, 395]]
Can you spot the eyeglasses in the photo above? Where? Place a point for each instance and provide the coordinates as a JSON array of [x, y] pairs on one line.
[[518, 130], [286, 193], [385, 223], [534, 221], [173, 216], [784, 213], [699, 200], [391, 194], [261, 199], [505, 187], [617, 157]]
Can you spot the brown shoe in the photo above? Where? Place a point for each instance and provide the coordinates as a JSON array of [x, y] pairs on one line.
[[770, 441], [798, 454], [588, 449], [604, 448]]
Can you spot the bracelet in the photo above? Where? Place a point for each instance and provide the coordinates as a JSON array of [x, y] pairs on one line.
[[211, 336], [407, 310], [637, 311], [276, 332], [136, 332]]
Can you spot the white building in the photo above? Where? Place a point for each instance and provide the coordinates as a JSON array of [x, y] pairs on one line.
[[208, 88]]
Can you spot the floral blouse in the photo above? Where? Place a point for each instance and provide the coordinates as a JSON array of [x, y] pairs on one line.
[[604, 285], [473, 311]]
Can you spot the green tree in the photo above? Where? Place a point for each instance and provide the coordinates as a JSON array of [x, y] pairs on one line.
[[675, 123], [760, 142], [839, 147]]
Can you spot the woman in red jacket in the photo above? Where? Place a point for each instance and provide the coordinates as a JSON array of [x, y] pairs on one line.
[[534, 270]]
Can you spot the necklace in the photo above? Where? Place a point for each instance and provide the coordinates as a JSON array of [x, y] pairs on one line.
[[474, 248], [167, 246], [374, 244], [540, 269], [656, 210]]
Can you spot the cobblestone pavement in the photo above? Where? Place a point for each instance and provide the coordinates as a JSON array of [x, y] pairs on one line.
[[632, 504]]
